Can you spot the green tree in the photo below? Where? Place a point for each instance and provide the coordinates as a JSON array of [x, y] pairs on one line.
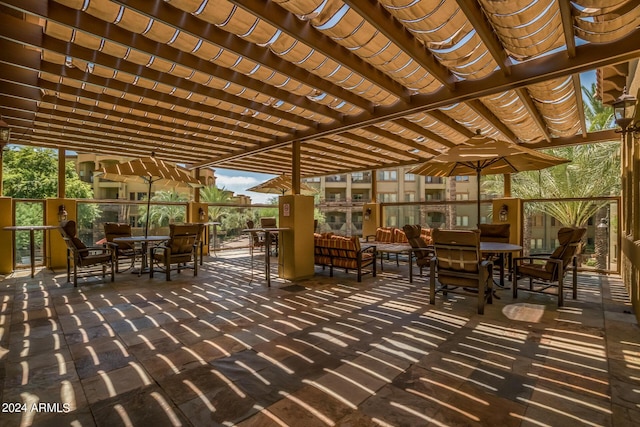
[[593, 170], [32, 173], [597, 116], [215, 195], [164, 215]]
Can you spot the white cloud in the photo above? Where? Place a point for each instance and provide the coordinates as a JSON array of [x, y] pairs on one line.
[[238, 182]]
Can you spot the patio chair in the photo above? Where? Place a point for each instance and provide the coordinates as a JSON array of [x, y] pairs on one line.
[[181, 249], [458, 268], [256, 239], [499, 233], [122, 250], [420, 251], [89, 258], [548, 270], [271, 222]]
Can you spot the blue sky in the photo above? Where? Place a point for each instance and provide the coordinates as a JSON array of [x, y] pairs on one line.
[[239, 181]]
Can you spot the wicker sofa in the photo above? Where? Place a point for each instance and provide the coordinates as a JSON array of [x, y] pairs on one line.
[[331, 251]]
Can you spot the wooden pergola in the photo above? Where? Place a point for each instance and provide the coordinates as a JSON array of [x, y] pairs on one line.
[[347, 85]]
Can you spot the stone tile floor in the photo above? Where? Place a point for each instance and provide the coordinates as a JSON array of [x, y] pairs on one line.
[[223, 349]]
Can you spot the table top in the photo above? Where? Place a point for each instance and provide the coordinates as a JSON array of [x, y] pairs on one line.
[[135, 239], [266, 230], [211, 223], [30, 227], [389, 247], [497, 247]]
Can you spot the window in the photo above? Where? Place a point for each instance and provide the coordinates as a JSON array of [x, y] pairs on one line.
[[357, 197], [410, 196], [462, 179], [388, 197], [536, 243], [409, 177], [462, 196], [432, 180], [314, 179], [388, 175], [462, 221]]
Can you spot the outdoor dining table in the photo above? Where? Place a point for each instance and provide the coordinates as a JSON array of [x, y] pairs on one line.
[[267, 234], [32, 244], [501, 249], [144, 242]]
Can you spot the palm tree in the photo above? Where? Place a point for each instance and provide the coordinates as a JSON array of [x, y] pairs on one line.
[[594, 171], [214, 195], [164, 215]]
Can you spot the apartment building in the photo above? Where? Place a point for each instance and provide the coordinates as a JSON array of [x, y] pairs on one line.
[[342, 197]]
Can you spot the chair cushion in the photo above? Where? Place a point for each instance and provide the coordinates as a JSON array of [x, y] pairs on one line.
[[540, 271], [425, 233], [495, 232], [457, 250], [399, 236], [91, 259], [69, 228], [569, 240], [384, 234], [113, 230]]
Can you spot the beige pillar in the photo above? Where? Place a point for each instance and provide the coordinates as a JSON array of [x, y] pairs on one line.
[[371, 219], [196, 191], [295, 167], [6, 248], [55, 248], [198, 213], [514, 217], [61, 173], [295, 259], [507, 185]]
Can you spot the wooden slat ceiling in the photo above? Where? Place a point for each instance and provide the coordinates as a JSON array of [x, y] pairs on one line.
[[360, 84]]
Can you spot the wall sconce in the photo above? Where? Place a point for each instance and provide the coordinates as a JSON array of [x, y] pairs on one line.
[[503, 214], [624, 108], [201, 213], [367, 214], [62, 213]]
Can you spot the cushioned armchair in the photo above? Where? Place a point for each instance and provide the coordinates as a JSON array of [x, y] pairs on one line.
[[181, 249], [458, 268], [271, 222], [420, 250], [548, 271], [90, 258], [499, 233], [122, 250], [256, 239]]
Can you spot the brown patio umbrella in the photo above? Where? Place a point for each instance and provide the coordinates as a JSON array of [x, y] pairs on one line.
[[485, 156], [151, 171], [280, 185]]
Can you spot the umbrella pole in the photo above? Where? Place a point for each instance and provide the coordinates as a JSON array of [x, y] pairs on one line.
[[146, 226], [478, 170]]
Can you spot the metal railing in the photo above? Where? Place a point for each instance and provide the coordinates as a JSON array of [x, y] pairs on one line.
[[540, 223]]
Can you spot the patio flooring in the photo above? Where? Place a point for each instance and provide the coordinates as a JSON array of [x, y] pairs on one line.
[[223, 349]]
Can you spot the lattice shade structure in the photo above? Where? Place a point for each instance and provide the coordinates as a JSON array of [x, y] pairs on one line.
[[360, 85]]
